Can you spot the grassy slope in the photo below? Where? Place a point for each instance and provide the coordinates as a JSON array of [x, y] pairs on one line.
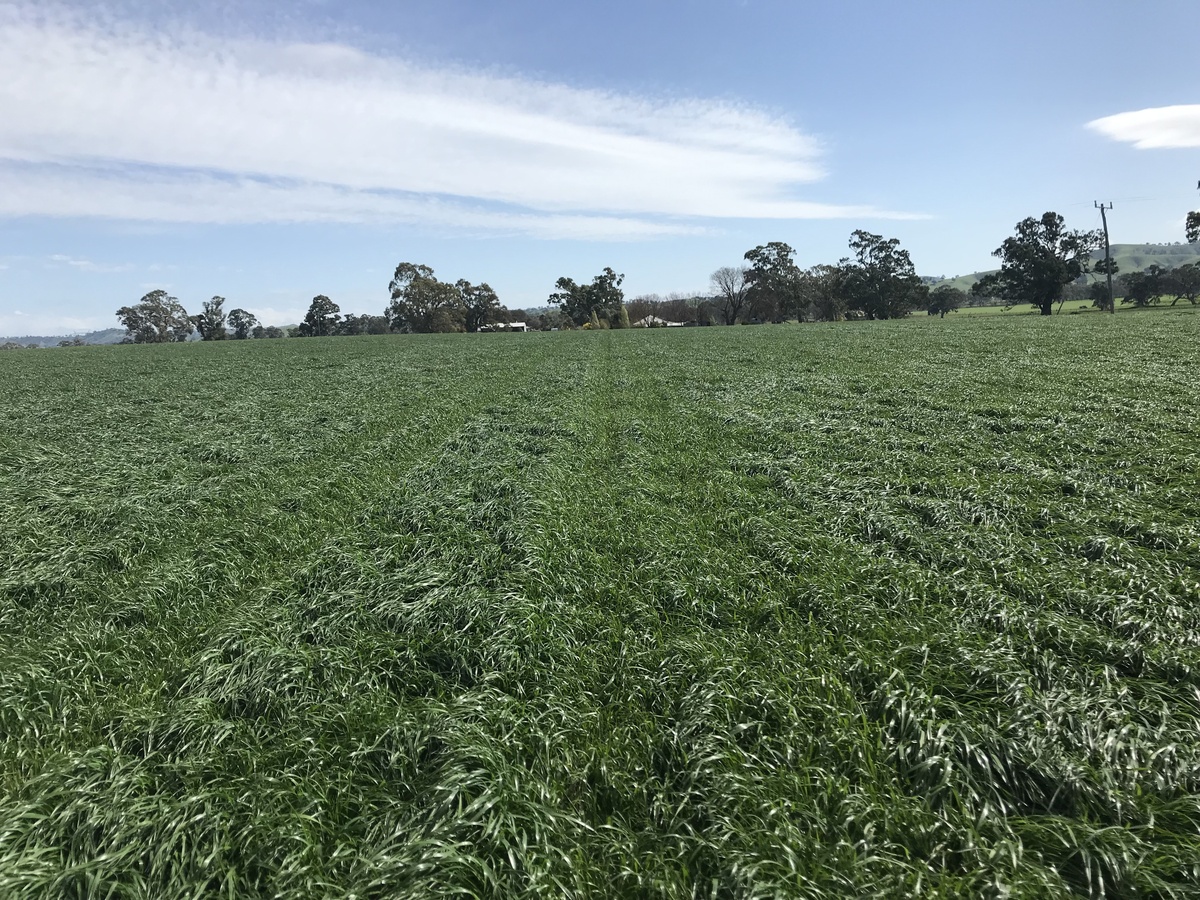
[[873, 608], [1129, 258]]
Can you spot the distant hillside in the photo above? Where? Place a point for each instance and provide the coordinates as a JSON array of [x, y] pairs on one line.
[[1135, 257], [107, 336], [1129, 258]]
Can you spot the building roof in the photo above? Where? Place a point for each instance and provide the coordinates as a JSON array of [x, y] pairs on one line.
[[655, 322]]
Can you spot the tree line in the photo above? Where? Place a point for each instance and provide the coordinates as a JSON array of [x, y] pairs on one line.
[[1042, 263]]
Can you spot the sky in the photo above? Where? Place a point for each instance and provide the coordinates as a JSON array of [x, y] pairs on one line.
[[268, 152]]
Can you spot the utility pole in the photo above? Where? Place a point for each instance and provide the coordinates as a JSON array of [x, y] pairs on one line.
[[1112, 300]]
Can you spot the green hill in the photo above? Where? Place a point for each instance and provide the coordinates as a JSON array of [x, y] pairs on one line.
[[1129, 258], [104, 336], [1136, 257]]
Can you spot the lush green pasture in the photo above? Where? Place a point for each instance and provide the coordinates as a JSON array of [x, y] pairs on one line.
[[881, 609]]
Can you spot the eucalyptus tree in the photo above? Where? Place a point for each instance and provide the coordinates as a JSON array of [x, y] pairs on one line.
[[774, 281], [243, 323], [211, 322], [945, 298], [321, 319], [1185, 280], [158, 318], [881, 281], [422, 304], [480, 304], [602, 299], [1038, 262]]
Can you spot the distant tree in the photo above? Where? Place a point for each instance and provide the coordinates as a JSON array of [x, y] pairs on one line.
[[322, 318], [732, 288], [823, 293], [1104, 267], [1038, 262], [158, 318], [480, 305], [1186, 283], [211, 322], [242, 322], [641, 306], [364, 324], [600, 301], [73, 342], [421, 304], [267, 332], [555, 318], [11, 345], [1097, 292], [1146, 288], [945, 298], [881, 281], [774, 281], [679, 307]]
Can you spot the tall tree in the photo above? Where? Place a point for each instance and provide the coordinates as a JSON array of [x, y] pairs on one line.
[[421, 304], [158, 318], [823, 292], [602, 299], [243, 323], [1038, 262], [774, 281], [321, 319], [211, 322], [480, 304], [732, 288], [881, 282]]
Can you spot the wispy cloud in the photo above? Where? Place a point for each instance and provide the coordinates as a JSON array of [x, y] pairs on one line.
[[86, 265], [98, 119], [1160, 127]]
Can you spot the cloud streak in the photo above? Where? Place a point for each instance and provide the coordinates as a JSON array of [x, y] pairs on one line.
[[1157, 128], [117, 120], [86, 265]]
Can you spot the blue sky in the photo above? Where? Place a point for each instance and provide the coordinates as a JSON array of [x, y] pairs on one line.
[[268, 152]]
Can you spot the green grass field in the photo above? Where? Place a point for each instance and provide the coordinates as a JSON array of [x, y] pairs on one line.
[[871, 609]]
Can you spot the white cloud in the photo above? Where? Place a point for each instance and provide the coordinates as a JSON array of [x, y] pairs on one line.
[[1160, 127], [86, 265], [201, 197], [114, 120]]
